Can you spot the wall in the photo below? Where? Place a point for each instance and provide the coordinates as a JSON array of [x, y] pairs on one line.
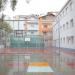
[[61, 30]]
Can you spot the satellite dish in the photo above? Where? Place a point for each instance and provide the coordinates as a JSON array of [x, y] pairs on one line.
[[28, 1]]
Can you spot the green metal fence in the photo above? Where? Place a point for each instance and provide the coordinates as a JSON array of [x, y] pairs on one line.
[[27, 41]]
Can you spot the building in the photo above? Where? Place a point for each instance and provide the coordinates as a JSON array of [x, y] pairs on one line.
[[26, 23], [64, 38], [46, 27], [65, 26], [31, 24]]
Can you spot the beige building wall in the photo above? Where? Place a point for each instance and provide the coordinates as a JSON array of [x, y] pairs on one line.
[[46, 27]]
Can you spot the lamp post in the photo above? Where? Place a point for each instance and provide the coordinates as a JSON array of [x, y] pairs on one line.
[[59, 52], [44, 34]]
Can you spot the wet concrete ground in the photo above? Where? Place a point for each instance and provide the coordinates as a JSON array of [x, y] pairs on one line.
[[28, 62], [22, 64]]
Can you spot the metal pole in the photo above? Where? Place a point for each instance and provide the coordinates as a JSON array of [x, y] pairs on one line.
[[59, 44], [18, 24]]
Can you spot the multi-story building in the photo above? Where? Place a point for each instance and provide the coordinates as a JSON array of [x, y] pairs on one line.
[[64, 38], [31, 24], [64, 28], [46, 27], [26, 23]]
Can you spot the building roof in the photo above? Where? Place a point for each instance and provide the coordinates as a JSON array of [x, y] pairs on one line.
[[48, 14], [63, 7]]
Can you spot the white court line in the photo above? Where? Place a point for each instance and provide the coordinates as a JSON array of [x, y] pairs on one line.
[[39, 69]]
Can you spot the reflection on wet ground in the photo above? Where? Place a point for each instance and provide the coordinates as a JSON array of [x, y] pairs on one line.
[[25, 64]]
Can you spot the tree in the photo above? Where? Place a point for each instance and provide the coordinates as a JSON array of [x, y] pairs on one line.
[[5, 26], [13, 4], [4, 2]]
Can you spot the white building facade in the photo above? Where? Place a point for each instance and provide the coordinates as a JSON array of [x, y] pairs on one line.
[[31, 25], [64, 27], [18, 23]]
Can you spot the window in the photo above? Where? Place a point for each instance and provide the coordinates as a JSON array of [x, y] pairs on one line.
[[60, 15], [64, 39], [72, 39], [57, 18], [67, 25], [66, 9], [63, 26], [61, 40], [45, 26], [68, 40], [60, 27], [32, 25], [63, 13], [71, 6], [71, 23]]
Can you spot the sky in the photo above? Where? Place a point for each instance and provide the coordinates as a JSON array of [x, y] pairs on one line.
[[35, 7]]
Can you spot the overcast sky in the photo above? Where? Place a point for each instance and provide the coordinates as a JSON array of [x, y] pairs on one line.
[[35, 7]]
